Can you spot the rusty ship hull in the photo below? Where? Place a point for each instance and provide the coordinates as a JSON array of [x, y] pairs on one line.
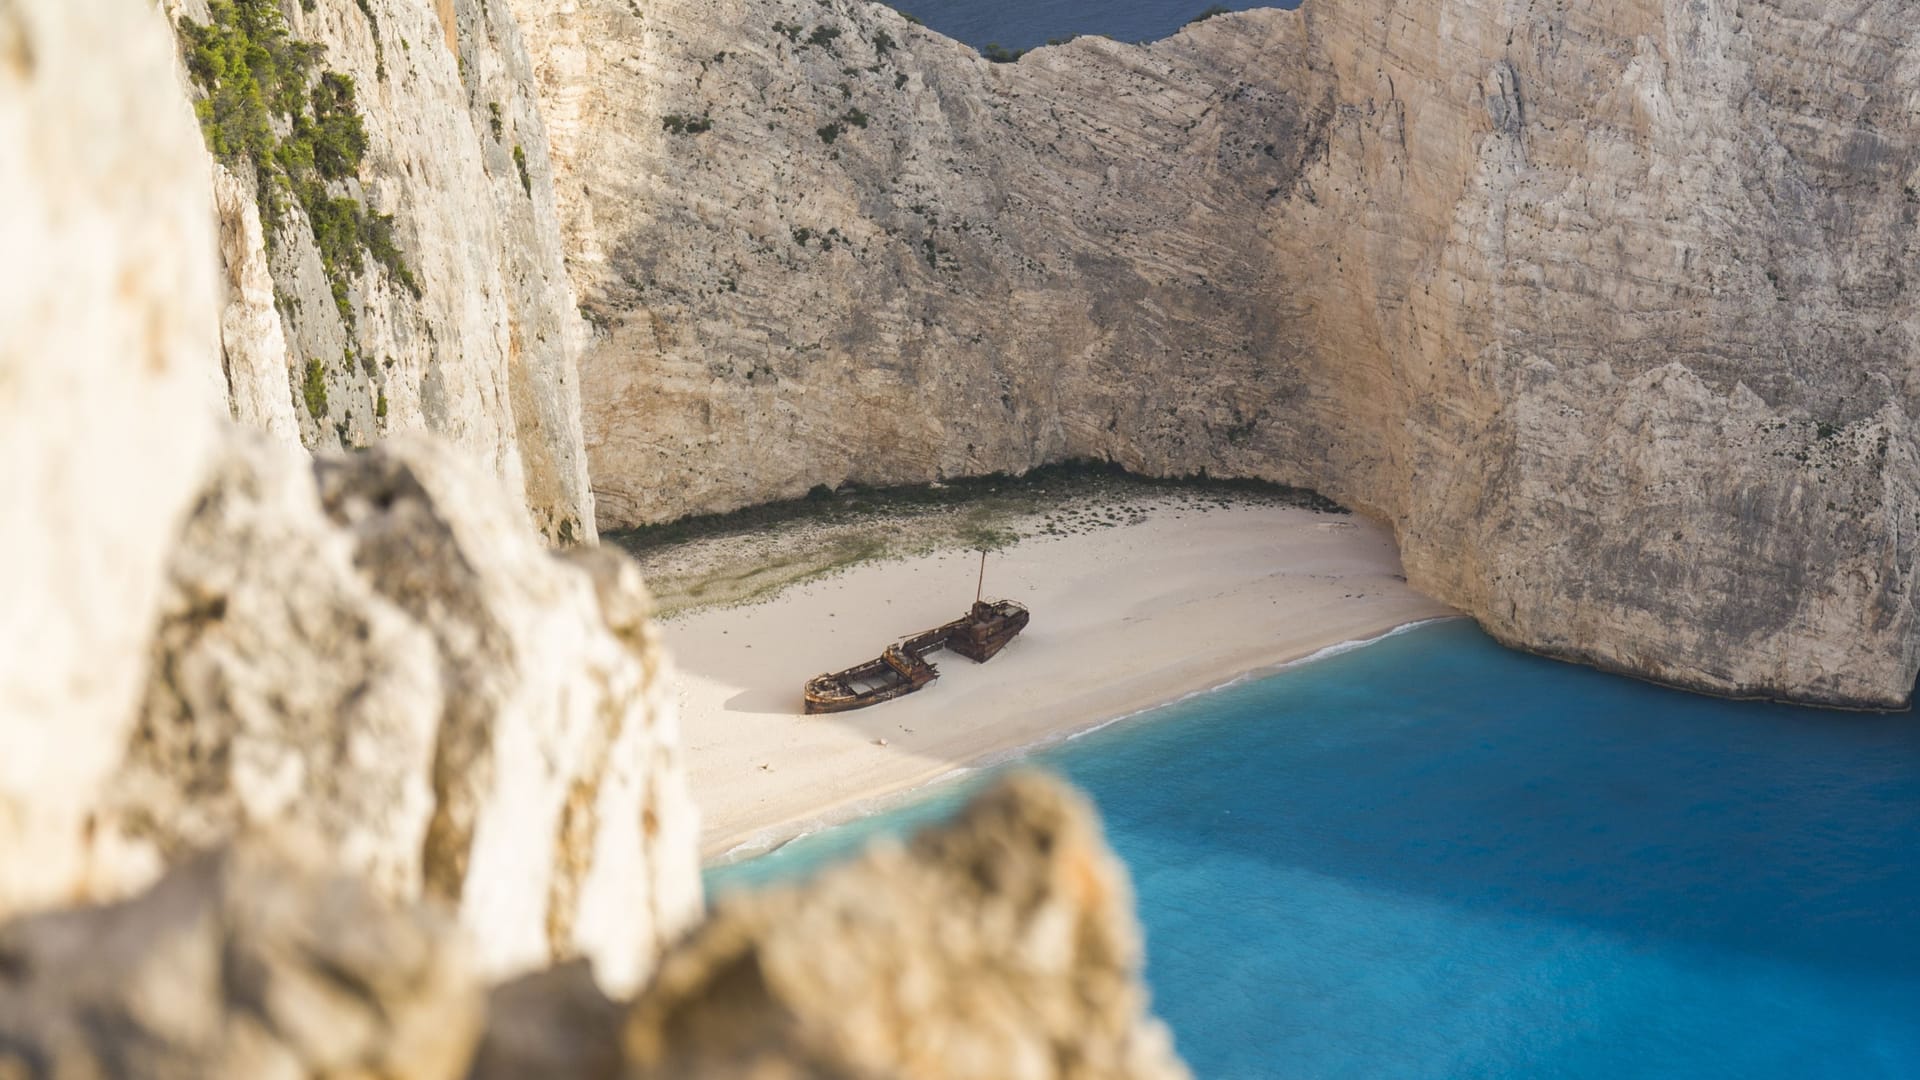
[[903, 668]]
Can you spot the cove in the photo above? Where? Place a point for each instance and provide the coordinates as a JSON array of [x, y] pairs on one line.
[[1433, 857], [1024, 24]]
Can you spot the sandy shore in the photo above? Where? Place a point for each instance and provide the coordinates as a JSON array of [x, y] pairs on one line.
[[1124, 618]]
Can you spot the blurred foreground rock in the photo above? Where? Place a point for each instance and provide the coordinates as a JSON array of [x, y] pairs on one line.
[[251, 964], [108, 321], [552, 1023], [1000, 946], [377, 648]]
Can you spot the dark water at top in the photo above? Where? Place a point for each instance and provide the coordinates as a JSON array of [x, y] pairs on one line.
[[1022, 24], [1433, 857]]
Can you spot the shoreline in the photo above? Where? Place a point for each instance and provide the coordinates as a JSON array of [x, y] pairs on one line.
[[1171, 603], [868, 806]]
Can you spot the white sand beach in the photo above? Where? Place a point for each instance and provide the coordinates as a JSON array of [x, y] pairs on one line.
[[1124, 618]]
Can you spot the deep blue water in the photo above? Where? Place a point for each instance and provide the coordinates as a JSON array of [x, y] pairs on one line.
[[1433, 857], [1022, 24]]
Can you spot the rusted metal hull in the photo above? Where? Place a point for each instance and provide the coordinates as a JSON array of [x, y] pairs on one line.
[[981, 639], [903, 668]]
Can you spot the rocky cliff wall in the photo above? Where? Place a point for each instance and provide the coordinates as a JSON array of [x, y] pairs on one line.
[[1607, 308], [470, 330], [206, 635], [370, 741]]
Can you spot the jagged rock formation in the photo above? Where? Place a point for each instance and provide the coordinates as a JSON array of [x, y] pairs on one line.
[[375, 648], [1001, 945], [247, 964], [283, 687], [107, 300], [253, 345], [1606, 307], [480, 345]]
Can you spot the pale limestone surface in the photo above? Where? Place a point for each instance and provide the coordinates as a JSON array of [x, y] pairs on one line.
[[284, 688], [108, 309], [377, 649], [1604, 307], [260, 375], [485, 356]]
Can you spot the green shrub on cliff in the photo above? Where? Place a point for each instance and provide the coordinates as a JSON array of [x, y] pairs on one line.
[[314, 389], [258, 82], [520, 163], [686, 125], [251, 71]]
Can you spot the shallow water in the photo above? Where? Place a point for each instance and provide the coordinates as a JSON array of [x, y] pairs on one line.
[[1022, 24], [1433, 857]]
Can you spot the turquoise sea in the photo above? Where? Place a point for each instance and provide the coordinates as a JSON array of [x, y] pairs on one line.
[[1433, 857], [1022, 24]]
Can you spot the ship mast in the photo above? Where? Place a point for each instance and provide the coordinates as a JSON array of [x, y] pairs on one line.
[[982, 587]]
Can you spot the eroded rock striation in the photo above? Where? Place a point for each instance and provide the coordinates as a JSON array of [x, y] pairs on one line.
[[374, 648], [1607, 307]]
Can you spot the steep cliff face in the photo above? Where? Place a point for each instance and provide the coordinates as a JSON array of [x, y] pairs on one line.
[[206, 634], [467, 328], [1639, 273], [820, 243], [1606, 308]]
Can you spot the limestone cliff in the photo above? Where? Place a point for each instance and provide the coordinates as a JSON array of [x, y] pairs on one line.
[[388, 741], [1606, 307], [206, 635], [467, 327]]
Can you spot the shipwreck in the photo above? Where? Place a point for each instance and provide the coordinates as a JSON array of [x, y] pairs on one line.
[[902, 668]]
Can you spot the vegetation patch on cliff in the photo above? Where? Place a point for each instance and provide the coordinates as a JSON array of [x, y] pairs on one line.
[[313, 389], [269, 107]]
